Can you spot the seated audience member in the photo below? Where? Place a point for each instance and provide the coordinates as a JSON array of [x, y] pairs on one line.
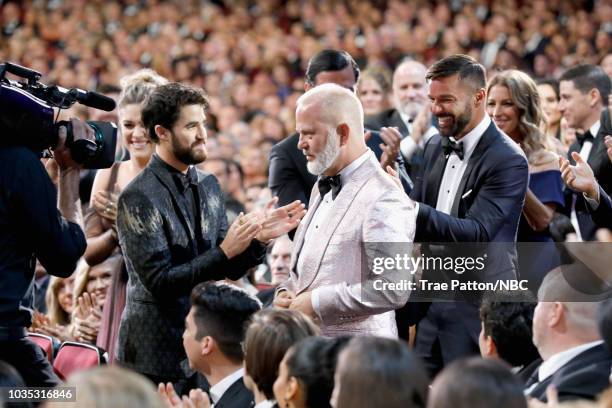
[[306, 373], [565, 332], [60, 305], [581, 179], [279, 262], [506, 320], [90, 291], [373, 90], [372, 370], [109, 387], [214, 332], [269, 335], [476, 383]]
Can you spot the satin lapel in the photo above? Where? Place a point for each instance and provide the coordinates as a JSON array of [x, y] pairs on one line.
[[396, 120], [434, 178], [166, 179], [343, 201], [298, 240], [479, 151], [598, 149]]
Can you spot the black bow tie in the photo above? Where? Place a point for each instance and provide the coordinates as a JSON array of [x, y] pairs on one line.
[[332, 183], [183, 181], [583, 137], [450, 145]]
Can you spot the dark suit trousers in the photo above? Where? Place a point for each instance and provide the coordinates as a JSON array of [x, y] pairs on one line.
[[30, 361], [441, 338]]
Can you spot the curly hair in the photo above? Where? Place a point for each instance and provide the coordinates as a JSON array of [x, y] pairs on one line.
[[524, 94]]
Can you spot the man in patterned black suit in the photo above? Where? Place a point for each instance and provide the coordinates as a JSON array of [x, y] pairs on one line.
[[174, 234]]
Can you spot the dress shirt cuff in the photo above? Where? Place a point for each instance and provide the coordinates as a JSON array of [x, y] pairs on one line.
[[593, 204], [408, 146], [316, 303]]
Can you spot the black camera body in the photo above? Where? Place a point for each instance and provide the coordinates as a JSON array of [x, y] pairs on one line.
[[27, 118]]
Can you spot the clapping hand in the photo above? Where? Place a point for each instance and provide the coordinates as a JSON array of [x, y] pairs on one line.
[[86, 318], [580, 177], [278, 221], [391, 146], [197, 398]]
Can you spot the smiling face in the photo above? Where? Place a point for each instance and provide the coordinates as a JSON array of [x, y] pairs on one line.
[[451, 104], [64, 294], [503, 111], [99, 280], [188, 136], [550, 104], [576, 107], [409, 89], [134, 133]]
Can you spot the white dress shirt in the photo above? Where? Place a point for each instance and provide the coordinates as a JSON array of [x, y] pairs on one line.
[[217, 390], [327, 204], [585, 152], [455, 167], [265, 404]]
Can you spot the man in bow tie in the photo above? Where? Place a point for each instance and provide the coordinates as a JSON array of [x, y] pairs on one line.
[[174, 234], [353, 204], [472, 191], [583, 93]]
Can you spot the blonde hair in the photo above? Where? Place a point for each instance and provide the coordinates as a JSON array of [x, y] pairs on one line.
[[137, 86], [111, 387], [82, 273], [56, 314], [524, 94]]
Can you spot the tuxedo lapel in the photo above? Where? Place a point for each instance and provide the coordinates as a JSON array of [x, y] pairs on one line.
[[434, 177], [316, 248], [396, 120], [298, 241]]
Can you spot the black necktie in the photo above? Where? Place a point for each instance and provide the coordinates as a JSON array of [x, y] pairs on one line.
[[332, 183], [183, 181], [583, 137], [450, 145]]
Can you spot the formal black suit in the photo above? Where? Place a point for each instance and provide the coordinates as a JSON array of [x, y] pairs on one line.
[[583, 377], [289, 178], [166, 256], [236, 396], [602, 168], [387, 118], [486, 209]]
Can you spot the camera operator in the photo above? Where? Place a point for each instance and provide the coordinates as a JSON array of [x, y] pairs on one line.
[[31, 227]]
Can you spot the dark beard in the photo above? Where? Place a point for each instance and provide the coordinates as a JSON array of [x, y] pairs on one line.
[[460, 122], [184, 154]]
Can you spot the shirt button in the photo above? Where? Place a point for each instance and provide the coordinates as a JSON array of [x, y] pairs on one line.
[[448, 191]]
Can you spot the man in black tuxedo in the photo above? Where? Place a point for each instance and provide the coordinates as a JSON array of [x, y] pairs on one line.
[[173, 233], [409, 99], [472, 192], [583, 92], [288, 177], [575, 359], [213, 336]]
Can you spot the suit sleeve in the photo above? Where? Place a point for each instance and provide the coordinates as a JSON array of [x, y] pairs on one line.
[[391, 219], [142, 236], [58, 243], [502, 191], [284, 179], [602, 215]]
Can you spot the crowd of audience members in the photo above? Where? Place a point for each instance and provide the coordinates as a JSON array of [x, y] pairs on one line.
[[250, 57]]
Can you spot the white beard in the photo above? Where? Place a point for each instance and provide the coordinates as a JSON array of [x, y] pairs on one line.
[[326, 158]]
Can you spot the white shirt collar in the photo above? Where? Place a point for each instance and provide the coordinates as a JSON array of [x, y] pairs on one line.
[[217, 390], [265, 404], [346, 172], [405, 118], [594, 129], [556, 361], [470, 140]]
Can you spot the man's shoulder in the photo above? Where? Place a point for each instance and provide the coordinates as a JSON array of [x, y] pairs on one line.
[[141, 186], [18, 154], [290, 142], [502, 148]]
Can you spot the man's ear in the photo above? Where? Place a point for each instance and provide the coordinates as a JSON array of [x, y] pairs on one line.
[[490, 347], [343, 130], [207, 345], [480, 97], [293, 389], [307, 86], [594, 98], [162, 133], [557, 314]]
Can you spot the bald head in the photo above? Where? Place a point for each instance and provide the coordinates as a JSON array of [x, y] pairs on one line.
[[329, 119], [409, 88]]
